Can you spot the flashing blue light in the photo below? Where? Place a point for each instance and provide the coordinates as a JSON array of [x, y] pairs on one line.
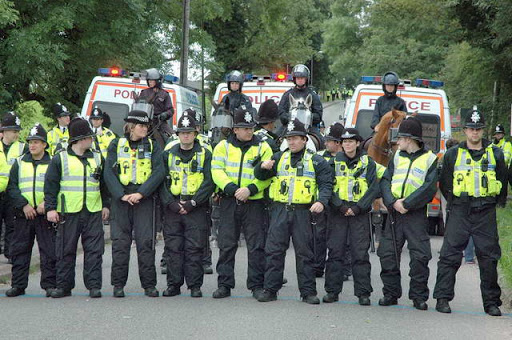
[[171, 79], [111, 72], [248, 77], [429, 83], [371, 79]]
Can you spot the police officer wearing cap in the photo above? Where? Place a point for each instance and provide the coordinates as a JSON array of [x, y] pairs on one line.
[[241, 203], [58, 136], [355, 189], [10, 150], [133, 172], [268, 113], [301, 78], [25, 191], [500, 141], [301, 188], [185, 195], [76, 200], [235, 98], [103, 136], [408, 185], [473, 180], [389, 100]]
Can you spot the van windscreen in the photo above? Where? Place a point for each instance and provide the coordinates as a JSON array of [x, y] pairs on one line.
[[431, 131], [117, 112], [363, 123]]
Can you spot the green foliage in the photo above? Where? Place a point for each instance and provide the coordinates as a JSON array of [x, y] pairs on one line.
[[30, 113], [504, 217]]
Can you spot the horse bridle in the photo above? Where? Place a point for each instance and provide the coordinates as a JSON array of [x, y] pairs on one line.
[[389, 150]]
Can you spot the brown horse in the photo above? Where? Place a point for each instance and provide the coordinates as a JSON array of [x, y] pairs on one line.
[[379, 147]]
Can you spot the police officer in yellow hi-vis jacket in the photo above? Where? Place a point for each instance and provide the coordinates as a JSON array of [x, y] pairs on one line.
[[241, 202], [301, 188], [26, 193], [500, 141], [103, 136], [473, 180], [77, 200], [133, 173], [10, 150], [407, 186], [58, 137], [185, 194]]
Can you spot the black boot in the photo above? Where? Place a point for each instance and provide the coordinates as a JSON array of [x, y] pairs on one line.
[[388, 301], [196, 292], [364, 301], [207, 269], [118, 292], [95, 293], [221, 292], [49, 291], [267, 296], [151, 292], [172, 291], [257, 292], [493, 310], [443, 306], [311, 299], [15, 291], [60, 293], [330, 298], [420, 304]]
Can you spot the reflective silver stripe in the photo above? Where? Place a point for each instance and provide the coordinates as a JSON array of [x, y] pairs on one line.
[[217, 158], [23, 180], [37, 189], [350, 189], [122, 153], [214, 166], [4, 174], [65, 163], [79, 189], [232, 164], [72, 178]]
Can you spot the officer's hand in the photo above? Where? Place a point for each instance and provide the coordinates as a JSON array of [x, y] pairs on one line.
[[126, 198], [30, 213], [268, 164], [399, 206], [40, 209], [105, 213], [52, 216], [317, 208], [242, 194], [135, 198], [163, 116], [187, 205], [175, 207], [349, 212]]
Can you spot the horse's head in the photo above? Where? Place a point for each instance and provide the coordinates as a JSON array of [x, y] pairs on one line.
[[301, 109], [390, 120]]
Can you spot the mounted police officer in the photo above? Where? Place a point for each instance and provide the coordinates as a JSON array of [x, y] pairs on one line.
[[500, 141], [58, 136], [301, 188], [133, 172], [268, 113], [241, 203], [389, 100], [77, 200], [473, 180], [408, 185], [235, 98], [355, 189], [25, 191], [186, 194], [10, 150], [301, 78], [103, 136]]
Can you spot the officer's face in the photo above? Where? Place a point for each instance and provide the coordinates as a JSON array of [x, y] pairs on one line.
[[85, 143], [96, 123], [64, 120], [234, 86], [499, 136], [332, 146], [244, 134], [152, 83], [296, 143], [390, 88], [350, 146], [11, 136], [36, 147], [403, 143], [300, 81], [139, 131], [187, 138], [474, 135]]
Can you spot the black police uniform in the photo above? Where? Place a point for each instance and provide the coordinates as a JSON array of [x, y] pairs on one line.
[[235, 100], [26, 230], [133, 221], [300, 92], [385, 104], [186, 236]]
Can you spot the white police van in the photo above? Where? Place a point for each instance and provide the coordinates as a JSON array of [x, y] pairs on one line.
[[114, 91]]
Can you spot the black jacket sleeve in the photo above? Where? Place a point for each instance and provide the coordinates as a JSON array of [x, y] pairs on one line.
[[105, 194], [501, 175], [365, 203], [446, 176], [263, 174], [52, 183], [424, 194], [324, 179], [206, 189], [111, 171], [376, 114], [284, 108], [316, 108], [157, 173], [385, 185], [13, 190]]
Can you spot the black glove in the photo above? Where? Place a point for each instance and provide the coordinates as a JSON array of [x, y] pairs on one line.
[[355, 209], [175, 207], [188, 206], [284, 119], [164, 116], [343, 209]]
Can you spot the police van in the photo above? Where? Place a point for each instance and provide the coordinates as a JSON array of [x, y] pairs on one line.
[[115, 90], [426, 98]]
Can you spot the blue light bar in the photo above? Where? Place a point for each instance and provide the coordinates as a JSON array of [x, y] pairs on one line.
[[371, 79], [111, 72], [429, 83], [248, 77], [171, 79]]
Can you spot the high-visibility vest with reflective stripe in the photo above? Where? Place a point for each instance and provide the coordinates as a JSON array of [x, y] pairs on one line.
[[4, 172], [103, 141], [238, 168], [133, 169], [468, 175], [186, 178], [77, 183], [15, 151], [31, 181], [351, 184], [57, 140], [381, 169], [203, 141], [506, 147], [289, 186], [409, 176]]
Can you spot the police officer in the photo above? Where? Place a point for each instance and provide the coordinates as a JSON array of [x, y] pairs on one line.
[[300, 74], [241, 203], [186, 195], [268, 113], [77, 200], [26, 194], [407, 186], [355, 189], [103, 136], [10, 150], [389, 100], [301, 188], [133, 172], [235, 98], [502, 143], [473, 180], [58, 136]]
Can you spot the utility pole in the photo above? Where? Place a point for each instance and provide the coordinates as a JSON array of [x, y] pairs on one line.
[[185, 43]]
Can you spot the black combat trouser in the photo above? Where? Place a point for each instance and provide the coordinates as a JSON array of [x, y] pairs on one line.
[[130, 222], [462, 223], [6, 223], [207, 250], [411, 227], [185, 240], [320, 239], [356, 231], [294, 221], [248, 217], [25, 232], [89, 227]]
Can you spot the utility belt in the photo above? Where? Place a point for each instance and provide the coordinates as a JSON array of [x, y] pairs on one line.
[[223, 196], [474, 203], [293, 207]]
